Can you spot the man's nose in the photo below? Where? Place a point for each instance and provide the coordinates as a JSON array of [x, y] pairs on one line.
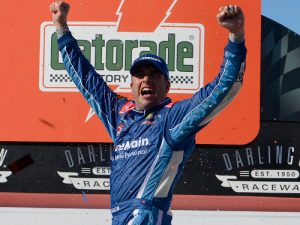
[[147, 77]]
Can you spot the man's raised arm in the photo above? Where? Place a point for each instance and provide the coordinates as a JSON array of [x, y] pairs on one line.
[[101, 98], [189, 116]]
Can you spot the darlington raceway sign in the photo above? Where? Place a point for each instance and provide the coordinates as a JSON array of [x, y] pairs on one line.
[[79, 174], [42, 104], [3, 173], [263, 185], [84, 183]]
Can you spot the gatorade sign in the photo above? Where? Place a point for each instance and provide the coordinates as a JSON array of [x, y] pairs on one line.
[[39, 102], [112, 53]]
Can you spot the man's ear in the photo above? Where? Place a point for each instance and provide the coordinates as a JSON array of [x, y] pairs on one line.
[[168, 85]]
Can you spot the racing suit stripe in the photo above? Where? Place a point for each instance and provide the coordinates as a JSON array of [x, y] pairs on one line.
[[92, 101], [228, 98], [204, 104], [166, 171], [144, 217], [162, 191], [160, 217], [101, 98], [208, 101], [145, 183]]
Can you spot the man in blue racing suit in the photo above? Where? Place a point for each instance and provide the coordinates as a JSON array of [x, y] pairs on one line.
[[153, 137]]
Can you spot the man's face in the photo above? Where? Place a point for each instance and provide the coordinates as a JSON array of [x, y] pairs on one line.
[[149, 87]]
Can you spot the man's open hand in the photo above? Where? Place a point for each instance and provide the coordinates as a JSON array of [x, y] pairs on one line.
[[232, 18], [60, 12]]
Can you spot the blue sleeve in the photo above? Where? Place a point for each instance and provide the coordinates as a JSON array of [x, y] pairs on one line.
[[105, 103], [189, 116]]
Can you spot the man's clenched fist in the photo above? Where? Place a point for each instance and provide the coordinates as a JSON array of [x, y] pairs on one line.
[[232, 18], [60, 12]]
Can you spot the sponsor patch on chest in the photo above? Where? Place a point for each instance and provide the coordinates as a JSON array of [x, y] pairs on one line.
[[132, 144]]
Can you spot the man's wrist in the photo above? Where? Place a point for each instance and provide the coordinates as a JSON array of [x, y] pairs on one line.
[[61, 31], [237, 37]]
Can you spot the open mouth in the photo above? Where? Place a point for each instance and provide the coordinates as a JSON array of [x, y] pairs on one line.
[[147, 92]]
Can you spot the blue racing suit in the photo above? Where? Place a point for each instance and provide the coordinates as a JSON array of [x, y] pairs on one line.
[[151, 146]]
